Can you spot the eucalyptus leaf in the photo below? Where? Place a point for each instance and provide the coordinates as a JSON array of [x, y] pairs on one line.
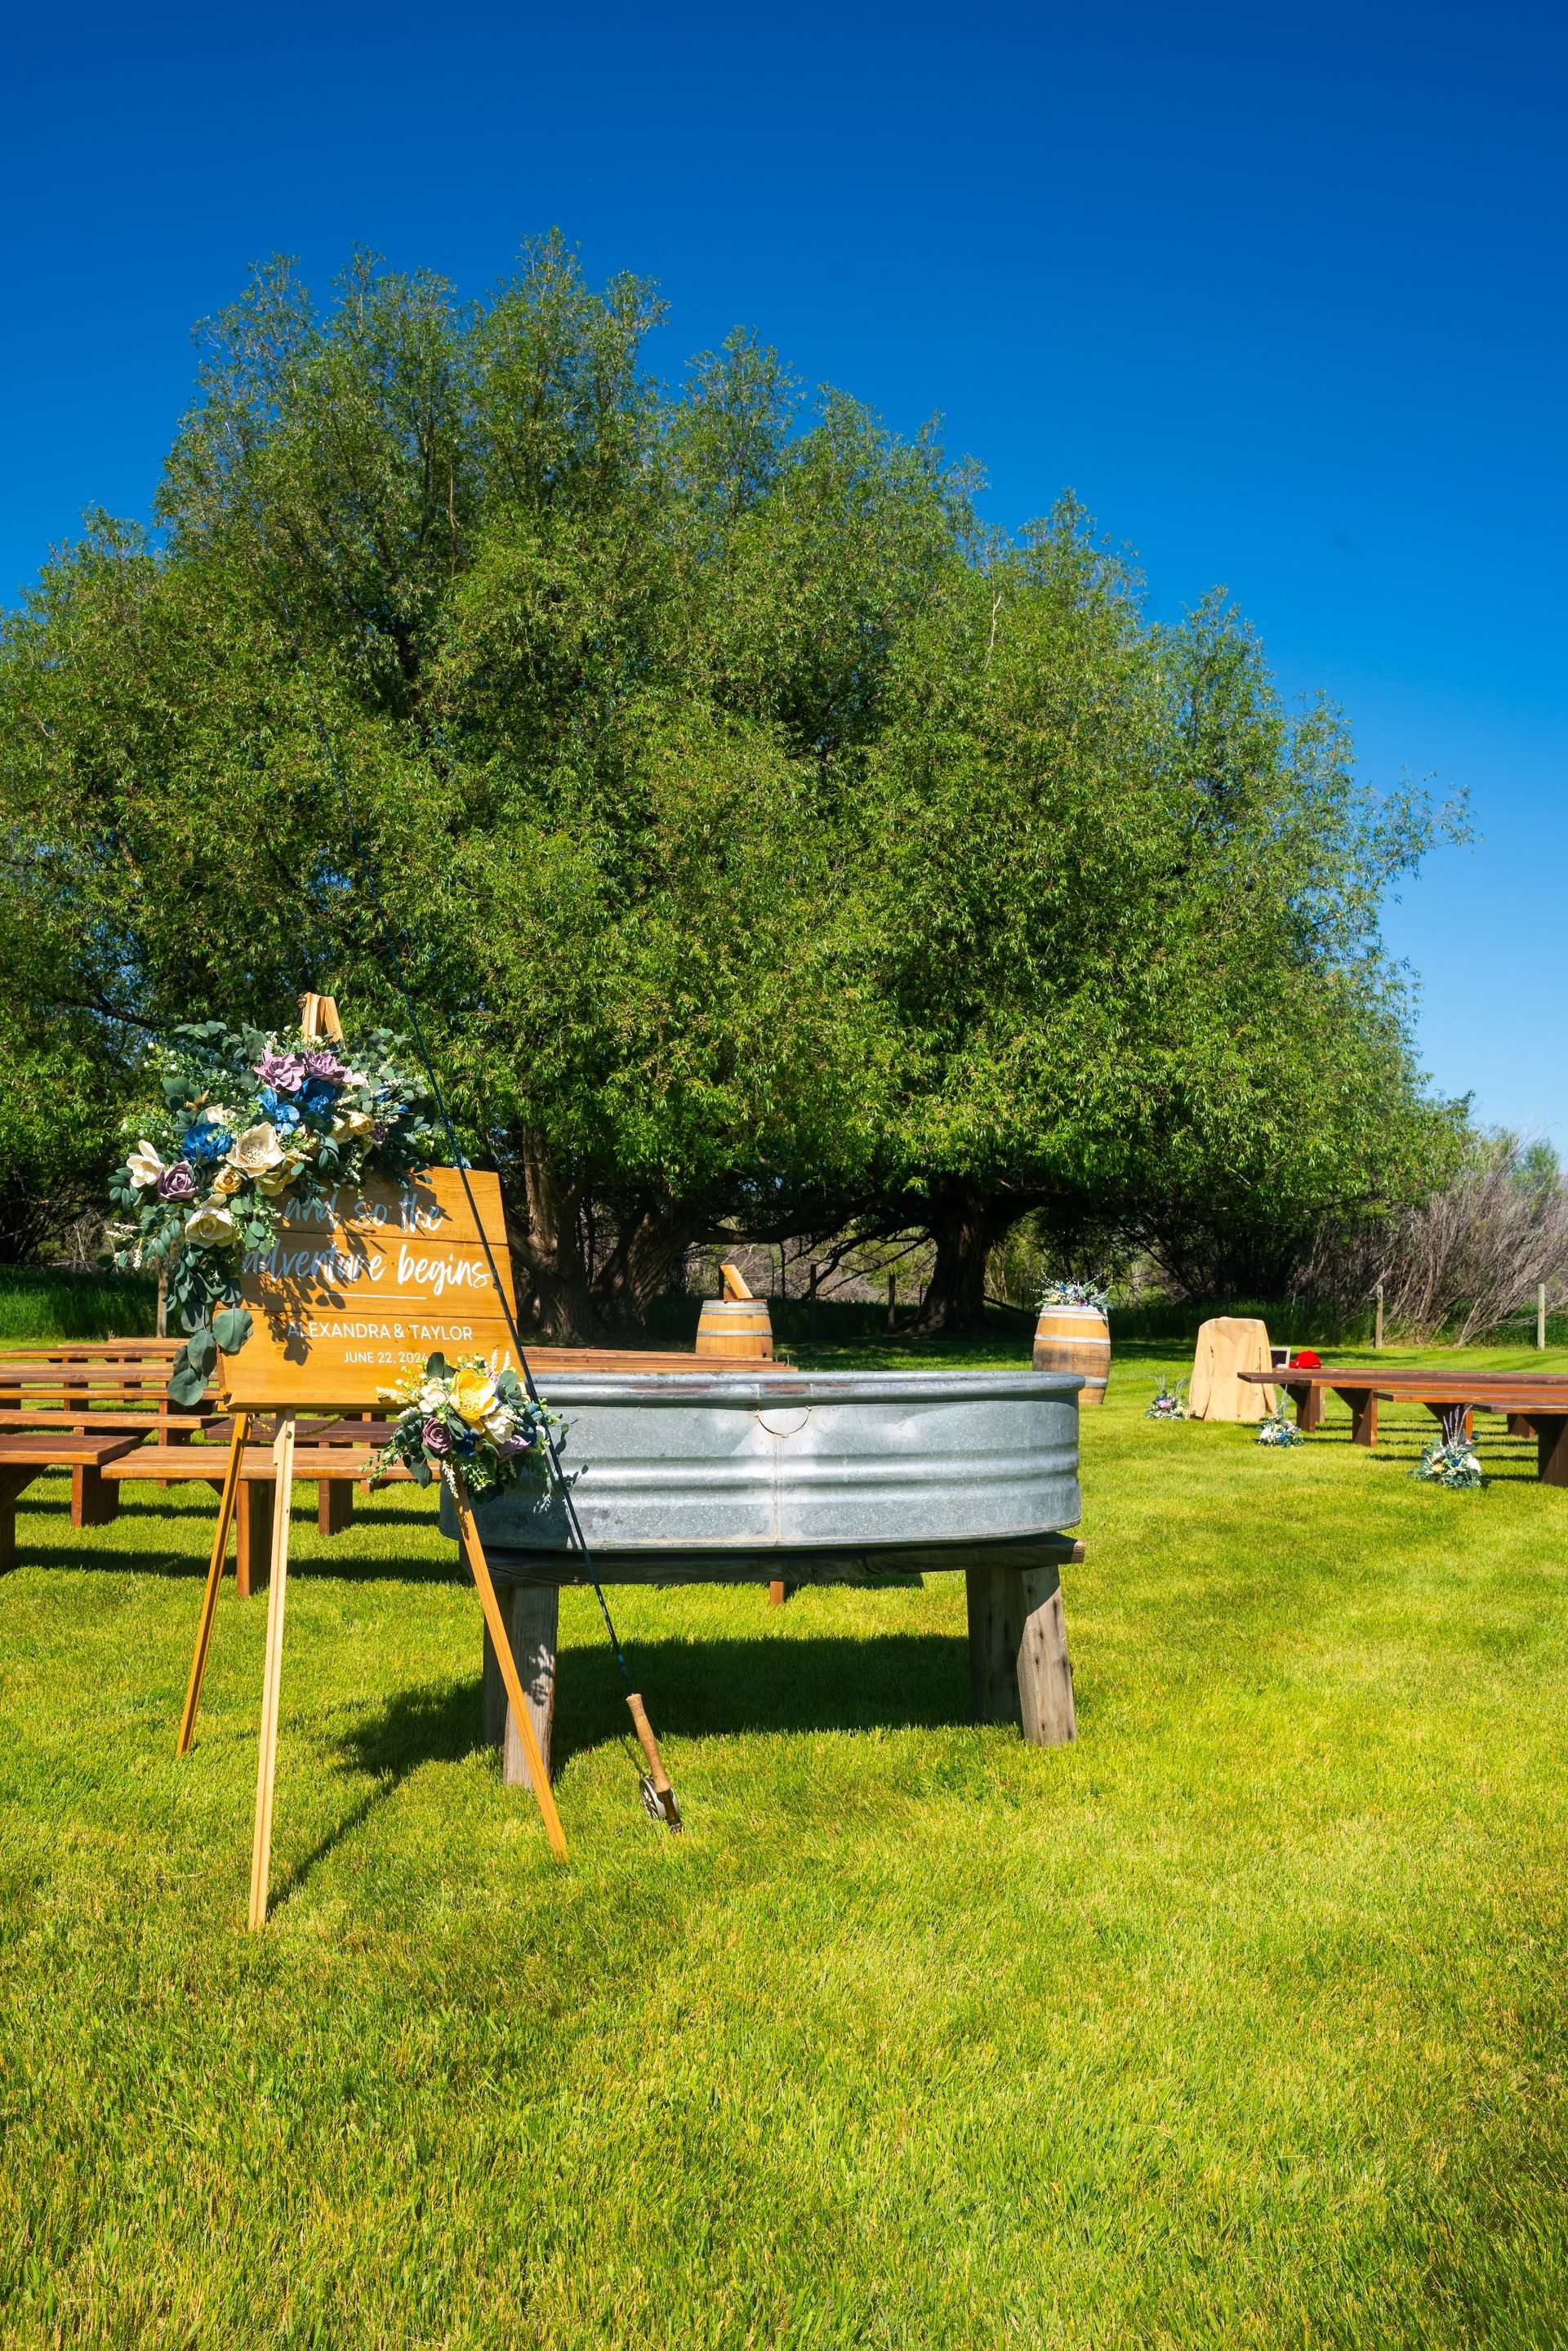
[[187, 1382], [231, 1328]]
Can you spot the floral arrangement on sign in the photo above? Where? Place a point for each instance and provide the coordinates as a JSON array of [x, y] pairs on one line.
[[251, 1121], [1275, 1429], [470, 1422], [1450, 1459], [1073, 1294], [1170, 1403]]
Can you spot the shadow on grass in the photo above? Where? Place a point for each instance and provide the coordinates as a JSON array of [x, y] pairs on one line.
[[699, 1689], [415, 1727]]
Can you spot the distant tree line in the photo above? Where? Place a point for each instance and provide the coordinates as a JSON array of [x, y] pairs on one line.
[[773, 850]]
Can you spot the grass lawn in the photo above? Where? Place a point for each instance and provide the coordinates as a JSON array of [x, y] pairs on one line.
[[1245, 2021]]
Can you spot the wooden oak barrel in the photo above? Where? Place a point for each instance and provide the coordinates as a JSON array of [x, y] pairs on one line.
[[734, 1326], [1073, 1339]]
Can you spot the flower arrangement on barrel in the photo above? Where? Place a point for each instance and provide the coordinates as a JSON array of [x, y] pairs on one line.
[[1074, 1293], [467, 1423], [250, 1122]]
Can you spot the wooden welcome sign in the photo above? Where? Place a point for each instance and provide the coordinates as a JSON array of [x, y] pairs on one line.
[[357, 1293]]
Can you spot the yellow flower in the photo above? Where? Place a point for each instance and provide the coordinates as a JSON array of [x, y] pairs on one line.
[[356, 1123], [278, 1179], [474, 1394], [210, 1227], [227, 1181]]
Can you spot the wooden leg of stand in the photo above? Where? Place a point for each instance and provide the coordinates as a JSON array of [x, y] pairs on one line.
[[500, 1638], [266, 1760], [215, 1577]]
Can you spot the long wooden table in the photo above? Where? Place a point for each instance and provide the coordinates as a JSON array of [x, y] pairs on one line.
[[1534, 1403]]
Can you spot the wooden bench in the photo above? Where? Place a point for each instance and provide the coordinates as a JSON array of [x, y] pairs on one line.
[[26, 1456], [1534, 1403], [333, 1464]]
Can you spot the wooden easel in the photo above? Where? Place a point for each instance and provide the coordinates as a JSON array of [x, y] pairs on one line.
[[320, 1014]]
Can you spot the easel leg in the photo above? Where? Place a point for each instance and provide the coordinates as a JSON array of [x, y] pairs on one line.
[[473, 1550], [215, 1577], [266, 1760]]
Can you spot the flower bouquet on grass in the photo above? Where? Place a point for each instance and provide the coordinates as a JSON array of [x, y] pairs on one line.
[[1275, 1429], [466, 1421], [1170, 1403], [1450, 1459], [248, 1122]]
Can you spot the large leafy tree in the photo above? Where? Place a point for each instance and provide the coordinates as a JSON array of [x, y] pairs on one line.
[[764, 847]]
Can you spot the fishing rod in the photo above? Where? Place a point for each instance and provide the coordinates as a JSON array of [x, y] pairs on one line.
[[658, 1795]]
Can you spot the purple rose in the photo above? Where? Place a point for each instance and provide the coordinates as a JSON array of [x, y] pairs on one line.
[[285, 1072], [436, 1440], [509, 1446], [178, 1183], [326, 1066]]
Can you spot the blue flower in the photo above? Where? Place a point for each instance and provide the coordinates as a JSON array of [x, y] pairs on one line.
[[315, 1095], [202, 1144], [283, 1115]]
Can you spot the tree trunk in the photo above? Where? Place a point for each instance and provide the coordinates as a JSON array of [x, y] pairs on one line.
[[553, 1292], [560, 1294], [648, 1245], [961, 1225]]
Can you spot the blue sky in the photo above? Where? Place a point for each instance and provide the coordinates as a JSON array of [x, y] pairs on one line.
[[1278, 291]]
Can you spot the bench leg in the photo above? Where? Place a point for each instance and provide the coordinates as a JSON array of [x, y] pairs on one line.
[[778, 1594], [1045, 1668], [1363, 1403], [95, 1498], [531, 1613], [1552, 1447], [1019, 1668], [13, 1483], [1309, 1407], [334, 1506], [253, 1536], [993, 1644]]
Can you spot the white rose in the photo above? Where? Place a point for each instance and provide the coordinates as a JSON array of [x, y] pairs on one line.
[[256, 1151], [210, 1227], [144, 1164]]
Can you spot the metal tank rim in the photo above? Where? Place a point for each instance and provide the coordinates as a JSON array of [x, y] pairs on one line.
[[760, 1389]]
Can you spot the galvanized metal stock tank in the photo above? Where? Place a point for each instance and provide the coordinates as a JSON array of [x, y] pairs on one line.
[[800, 1461]]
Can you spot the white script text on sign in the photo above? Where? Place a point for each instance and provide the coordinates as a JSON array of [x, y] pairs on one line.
[[354, 1297]]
